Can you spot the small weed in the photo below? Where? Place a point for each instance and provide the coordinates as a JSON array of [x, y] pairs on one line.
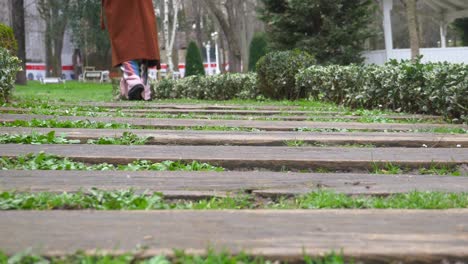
[[387, 168], [127, 138], [437, 169], [295, 143]]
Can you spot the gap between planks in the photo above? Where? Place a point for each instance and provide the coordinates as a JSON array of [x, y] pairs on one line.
[[250, 124], [246, 114]]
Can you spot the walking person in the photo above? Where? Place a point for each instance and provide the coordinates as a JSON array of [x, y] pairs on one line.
[[133, 34]]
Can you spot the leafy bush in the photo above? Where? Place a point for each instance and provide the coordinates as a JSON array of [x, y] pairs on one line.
[[217, 87], [258, 49], [276, 74], [194, 61], [433, 88], [7, 39], [9, 66]]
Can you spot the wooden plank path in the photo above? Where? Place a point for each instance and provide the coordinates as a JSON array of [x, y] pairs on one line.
[[242, 157], [374, 236], [368, 235], [196, 184], [251, 124], [244, 114], [271, 138]]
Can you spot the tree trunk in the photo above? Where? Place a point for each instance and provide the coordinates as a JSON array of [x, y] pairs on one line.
[[57, 62], [229, 30], [55, 14], [18, 28], [49, 53], [170, 33], [198, 19], [413, 28]]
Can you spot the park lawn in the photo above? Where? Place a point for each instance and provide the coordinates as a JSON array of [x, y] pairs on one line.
[[71, 91], [74, 92]]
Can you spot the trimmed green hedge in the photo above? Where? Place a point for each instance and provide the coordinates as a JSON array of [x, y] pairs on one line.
[[9, 66], [217, 87], [7, 39], [432, 88], [277, 71]]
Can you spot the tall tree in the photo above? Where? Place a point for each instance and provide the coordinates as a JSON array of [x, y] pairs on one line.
[[87, 36], [19, 31], [333, 31], [171, 10], [193, 62], [226, 17], [413, 27], [55, 14], [461, 25], [258, 49]]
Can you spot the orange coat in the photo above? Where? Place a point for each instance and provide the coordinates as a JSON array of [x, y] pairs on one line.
[[133, 31]]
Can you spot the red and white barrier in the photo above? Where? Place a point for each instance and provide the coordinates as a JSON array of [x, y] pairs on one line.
[[36, 71]]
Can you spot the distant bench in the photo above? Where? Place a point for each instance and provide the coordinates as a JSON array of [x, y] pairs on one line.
[[52, 80], [92, 75]]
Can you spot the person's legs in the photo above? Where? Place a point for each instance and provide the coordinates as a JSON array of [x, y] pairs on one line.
[[132, 83]]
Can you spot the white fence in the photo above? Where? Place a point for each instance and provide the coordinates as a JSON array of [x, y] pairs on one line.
[[454, 55]]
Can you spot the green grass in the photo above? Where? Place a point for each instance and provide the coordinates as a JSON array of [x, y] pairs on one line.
[[43, 161], [433, 169], [129, 200], [41, 107], [71, 91], [301, 143], [53, 123], [36, 138], [180, 257]]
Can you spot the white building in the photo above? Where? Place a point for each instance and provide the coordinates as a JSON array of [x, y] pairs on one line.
[[35, 47], [448, 11]]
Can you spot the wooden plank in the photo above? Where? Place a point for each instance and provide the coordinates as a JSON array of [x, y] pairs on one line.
[[188, 184], [243, 157], [377, 236], [261, 125], [246, 114], [271, 138], [152, 105]]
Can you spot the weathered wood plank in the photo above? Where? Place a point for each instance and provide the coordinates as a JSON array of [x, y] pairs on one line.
[[243, 157], [149, 105], [271, 138], [188, 184], [370, 235], [245, 114], [262, 125]]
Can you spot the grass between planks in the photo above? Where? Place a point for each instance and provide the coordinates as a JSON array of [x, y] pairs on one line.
[[129, 200], [180, 257]]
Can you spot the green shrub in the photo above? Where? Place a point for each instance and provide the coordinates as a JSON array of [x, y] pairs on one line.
[[194, 62], [9, 66], [216, 87], [276, 74], [7, 39], [258, 49], [432, 88]]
